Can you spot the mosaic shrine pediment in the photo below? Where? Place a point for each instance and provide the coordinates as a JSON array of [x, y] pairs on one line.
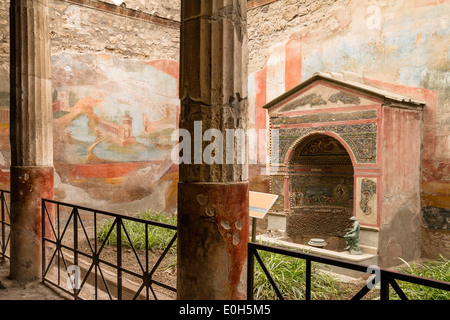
[[323, 96]]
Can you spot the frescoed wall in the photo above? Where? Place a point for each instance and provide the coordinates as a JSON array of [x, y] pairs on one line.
[[115, 78], [112, 122], [115, 103]]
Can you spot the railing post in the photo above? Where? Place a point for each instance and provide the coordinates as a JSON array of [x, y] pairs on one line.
[[75, 244], [384, 286], [119, 259], [250, 272], [96, 257], [75, 235], [42, 236], [308, 280], [3, 247]]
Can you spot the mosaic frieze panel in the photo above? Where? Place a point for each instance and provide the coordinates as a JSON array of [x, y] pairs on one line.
[[368, 190], [363, 146], [312, 99], [319, 190], [277, 185], [362, 139], [323, 146], [315, 99], [345, 98], [326, 117], [314, 161]]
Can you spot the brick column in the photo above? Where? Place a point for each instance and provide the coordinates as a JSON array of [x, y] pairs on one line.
[[213, 197], [30, 133]]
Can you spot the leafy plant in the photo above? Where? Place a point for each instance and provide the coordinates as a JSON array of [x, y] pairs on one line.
[[158, 237]]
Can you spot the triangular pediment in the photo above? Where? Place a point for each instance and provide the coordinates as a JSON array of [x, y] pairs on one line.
[[325, 92], [322, 95]]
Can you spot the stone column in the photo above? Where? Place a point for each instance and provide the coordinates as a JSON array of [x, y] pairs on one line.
[[213, 195], [30, 134]]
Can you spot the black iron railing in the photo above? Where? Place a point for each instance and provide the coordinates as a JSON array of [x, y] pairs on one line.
[[65, 228], [71, 244], [386, 278], [5, 225]]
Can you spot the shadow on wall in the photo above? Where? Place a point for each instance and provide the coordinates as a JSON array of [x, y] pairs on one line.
[[400, 239]]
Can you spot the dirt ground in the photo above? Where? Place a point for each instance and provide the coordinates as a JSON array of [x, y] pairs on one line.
[[165, 272], [14, 290]]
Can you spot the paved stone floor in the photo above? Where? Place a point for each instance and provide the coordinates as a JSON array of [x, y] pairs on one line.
[[14, 290]]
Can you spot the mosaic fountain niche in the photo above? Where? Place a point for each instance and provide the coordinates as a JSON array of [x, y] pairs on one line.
[[345, 149], [320, 174]]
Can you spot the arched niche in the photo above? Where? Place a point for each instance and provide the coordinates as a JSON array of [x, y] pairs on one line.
[[321, 190]]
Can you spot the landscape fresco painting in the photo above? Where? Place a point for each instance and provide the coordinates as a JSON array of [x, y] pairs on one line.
[[107, 109], [112, 124]]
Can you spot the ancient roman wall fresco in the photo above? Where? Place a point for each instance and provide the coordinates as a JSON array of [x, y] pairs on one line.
[[5, 150], [107, 109], [115, 105], [112, 124]]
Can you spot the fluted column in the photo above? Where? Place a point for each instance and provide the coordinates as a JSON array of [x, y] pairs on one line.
[[30, 134], [213, 188]]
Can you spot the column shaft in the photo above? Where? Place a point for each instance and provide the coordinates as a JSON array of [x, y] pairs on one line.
[[213, 196], [30, 134]]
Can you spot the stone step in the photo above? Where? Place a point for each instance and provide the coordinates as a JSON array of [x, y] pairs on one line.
[[368, 249]]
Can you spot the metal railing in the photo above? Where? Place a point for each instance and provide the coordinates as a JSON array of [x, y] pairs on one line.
[[56, 257], [5, 225], [385, 277], [63, 248]]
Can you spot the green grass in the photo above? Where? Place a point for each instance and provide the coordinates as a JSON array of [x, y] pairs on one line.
[[438, 270], [158, 237], [290, 276], [288, 273]]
